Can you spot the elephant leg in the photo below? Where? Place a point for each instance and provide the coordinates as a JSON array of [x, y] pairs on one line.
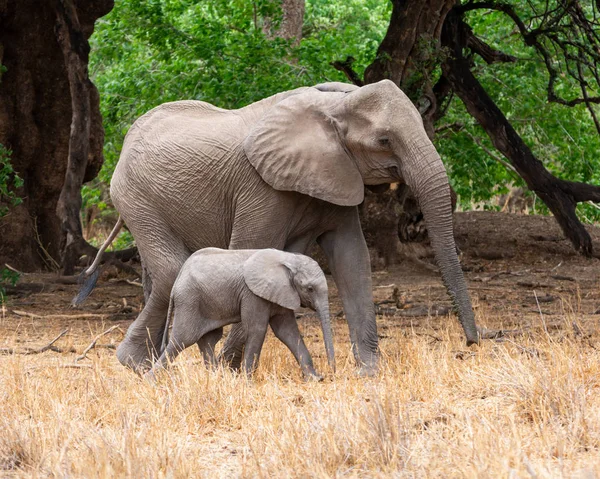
[[163, 258], [233, 349], [167, 357], [207, 344], [285, 327], [348, 259], [253, 347], [255, 317], [265, 237], [146, 283]]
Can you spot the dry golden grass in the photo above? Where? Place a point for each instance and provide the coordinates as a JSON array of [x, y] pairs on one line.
[[527, 407]]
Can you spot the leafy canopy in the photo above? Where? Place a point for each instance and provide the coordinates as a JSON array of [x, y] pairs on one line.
[[148, 53], [151, 52]]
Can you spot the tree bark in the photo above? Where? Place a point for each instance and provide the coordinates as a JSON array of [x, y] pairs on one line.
[[560, 196], [407, 55], [408, 52], [35, 121], [76, 56], [292, 19]]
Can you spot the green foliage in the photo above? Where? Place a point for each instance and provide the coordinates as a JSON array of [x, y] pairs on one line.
[[9, 181], [147, 53], [91, 195], [7, 277], [563, 138], [123, 241]]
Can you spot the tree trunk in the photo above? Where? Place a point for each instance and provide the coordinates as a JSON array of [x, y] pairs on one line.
[[35, 123], [408, 52], [292, 19], [560, 196], [407, 55]]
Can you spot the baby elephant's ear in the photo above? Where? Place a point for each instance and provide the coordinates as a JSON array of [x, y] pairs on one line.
[[267, 277]]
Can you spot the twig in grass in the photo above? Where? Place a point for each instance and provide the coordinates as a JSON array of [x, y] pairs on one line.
[[541, 314], [49, 347], [60, 366], [500, 334], [92, 345], [46, 258], [562, 277], [13, 269], [529, 351], [59, 316]]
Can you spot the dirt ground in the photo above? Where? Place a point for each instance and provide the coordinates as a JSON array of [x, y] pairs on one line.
[[522, 402], [520, 271]]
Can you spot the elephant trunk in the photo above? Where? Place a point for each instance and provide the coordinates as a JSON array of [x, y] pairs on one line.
[[425, 174], [323, 312]]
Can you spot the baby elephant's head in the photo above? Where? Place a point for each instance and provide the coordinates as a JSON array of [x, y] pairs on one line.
[[291, 280], [309, 281]]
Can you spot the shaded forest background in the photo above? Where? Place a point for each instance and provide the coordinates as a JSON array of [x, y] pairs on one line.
[[536, 61]]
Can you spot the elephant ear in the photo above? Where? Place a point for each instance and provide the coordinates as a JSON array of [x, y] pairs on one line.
[[296, 146], [268, 277], [336, 86]]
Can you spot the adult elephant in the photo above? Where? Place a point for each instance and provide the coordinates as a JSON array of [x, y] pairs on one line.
[[280, 173]]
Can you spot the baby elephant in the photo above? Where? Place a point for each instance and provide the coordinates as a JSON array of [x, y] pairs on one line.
[[216, 287]]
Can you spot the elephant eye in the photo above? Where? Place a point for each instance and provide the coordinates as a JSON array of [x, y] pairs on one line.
[[310, 289], [384, 142]]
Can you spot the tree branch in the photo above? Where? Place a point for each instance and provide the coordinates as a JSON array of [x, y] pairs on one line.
[[562, 28], [488, 53], [560, 196], [346, 68]]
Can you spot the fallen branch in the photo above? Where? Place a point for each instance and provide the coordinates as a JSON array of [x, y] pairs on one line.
[[128, 281], [561, 277], [14, 269], [60, 316], [414, 311], [49, 347], [93, 343], [60, 366]]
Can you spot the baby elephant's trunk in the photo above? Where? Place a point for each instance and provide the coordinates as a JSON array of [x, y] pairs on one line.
[[323, 312]]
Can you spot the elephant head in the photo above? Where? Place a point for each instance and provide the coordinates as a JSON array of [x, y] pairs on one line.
[[329, 144], [291, 280]]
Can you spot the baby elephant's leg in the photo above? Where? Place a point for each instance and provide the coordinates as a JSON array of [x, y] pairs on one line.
[[285, 327], [207, 344], [233, 349], [255, 316], [168, 356]]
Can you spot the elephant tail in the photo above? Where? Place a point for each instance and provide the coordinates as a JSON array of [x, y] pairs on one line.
[[89, 277], [165, 338]]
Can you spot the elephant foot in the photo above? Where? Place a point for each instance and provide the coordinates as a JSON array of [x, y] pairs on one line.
[[367, 370], [150, 377], [368, 364], [475, 337], [363, 372], [231, 359], [134, 356]]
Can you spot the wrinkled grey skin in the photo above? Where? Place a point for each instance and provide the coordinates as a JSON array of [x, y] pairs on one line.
[[218, 287], [280, 173]]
